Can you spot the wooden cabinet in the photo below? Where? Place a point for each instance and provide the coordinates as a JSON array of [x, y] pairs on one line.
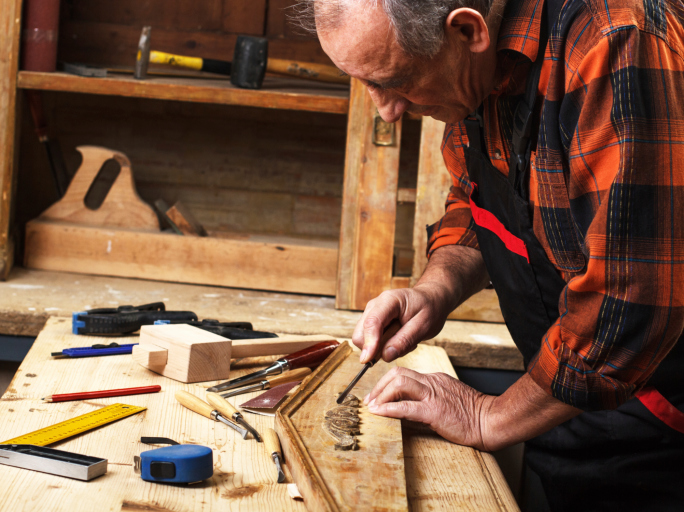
[[268, 172]]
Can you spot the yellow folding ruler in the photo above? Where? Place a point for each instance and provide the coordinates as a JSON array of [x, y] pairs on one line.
[[77, 425]]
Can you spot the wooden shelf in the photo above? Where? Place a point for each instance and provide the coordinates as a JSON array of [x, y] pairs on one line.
[[277, 92]]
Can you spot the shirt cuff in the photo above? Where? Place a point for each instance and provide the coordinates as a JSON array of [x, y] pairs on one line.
[[565, 375]]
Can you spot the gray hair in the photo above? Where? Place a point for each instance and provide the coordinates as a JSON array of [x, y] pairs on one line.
[[418, 25]]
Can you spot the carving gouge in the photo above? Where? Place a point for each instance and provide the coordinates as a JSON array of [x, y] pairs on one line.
[[307, 358], [199, 406], [273, 449], [227, 409], [271, 382], [391, 330]]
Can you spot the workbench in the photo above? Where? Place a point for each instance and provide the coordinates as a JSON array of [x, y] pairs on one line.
[[440, 475], [29, 297]]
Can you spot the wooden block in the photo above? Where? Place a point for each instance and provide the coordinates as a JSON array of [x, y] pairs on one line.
[[370, 478], [185, 220], [193, 355], [285, 344]]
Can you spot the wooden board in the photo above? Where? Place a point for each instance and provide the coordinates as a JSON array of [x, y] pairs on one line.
[[370, 478], [167, 257], [440, 475], [369, 207], [10, 27], [29, 297]]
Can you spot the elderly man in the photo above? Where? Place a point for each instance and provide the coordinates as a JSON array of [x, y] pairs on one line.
[[565, 142]]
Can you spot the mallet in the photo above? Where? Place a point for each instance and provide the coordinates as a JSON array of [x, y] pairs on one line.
[[250, 63]]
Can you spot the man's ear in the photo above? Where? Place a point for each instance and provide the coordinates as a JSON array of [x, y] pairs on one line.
[[469, 27]]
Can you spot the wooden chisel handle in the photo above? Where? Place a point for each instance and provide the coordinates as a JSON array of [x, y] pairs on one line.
[[308, 70], [194, 403], [222, 405], [286, 377], [272, 442]]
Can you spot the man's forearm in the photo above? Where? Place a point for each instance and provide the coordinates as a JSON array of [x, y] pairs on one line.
[[524, 411], [459, 270]]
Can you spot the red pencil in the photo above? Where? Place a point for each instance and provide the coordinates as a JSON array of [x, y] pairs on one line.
[[101, 394]]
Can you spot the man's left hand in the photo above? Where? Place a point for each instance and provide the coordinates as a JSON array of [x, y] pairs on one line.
[[446, 405]]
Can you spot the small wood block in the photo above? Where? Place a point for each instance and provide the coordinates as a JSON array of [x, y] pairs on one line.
[[285, 344], [370, 478], [150, 356], [193, 355], [185, 220]]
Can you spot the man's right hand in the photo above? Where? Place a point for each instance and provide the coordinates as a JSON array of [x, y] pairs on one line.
[[453, 274]]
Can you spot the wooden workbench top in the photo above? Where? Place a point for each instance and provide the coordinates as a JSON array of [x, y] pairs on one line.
[[29, 297], [440, 475]]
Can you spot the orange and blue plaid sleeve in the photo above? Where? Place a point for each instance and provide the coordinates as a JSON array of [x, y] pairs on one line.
[[621, 124], [455, 227]]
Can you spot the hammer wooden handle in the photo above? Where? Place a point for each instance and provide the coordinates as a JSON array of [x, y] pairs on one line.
[[317, 72]]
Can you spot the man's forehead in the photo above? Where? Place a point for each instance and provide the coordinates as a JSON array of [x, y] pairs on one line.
[[363, 43]]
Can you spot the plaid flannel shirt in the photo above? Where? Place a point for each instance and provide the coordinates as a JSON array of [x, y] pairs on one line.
[[606, 186]]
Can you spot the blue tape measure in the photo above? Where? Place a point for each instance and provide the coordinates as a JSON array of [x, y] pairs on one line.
[[178, 464]]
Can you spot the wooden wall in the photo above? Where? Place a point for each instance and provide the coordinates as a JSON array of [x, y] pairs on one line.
[[106, 32]]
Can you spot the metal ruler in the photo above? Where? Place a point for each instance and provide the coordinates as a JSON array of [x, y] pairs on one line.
[[77, 425]]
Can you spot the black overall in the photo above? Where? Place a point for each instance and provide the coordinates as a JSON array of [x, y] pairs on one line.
[[624, 459]]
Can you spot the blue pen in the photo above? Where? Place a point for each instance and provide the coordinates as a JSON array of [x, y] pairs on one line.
[[96, 350]]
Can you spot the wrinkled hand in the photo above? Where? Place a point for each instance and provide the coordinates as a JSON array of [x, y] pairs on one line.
[[421, 312], [452, 409]]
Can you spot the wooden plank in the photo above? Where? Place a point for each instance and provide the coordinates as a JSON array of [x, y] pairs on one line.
[[166, 257], [455, 488], [278, 93], [167, 14], [243, 17], [369, 207], [10, 27], [113, 44], [29, 297], [370, 478]]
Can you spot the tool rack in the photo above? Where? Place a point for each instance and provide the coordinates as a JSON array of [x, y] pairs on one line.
[[356, 268]]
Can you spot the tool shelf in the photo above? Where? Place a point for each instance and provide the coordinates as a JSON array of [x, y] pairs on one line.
[[277, 92]]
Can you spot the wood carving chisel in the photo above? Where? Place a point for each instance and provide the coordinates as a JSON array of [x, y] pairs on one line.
[[391, 330], [273, 449], [307, 358], [199, 406], [271, 382], [227, 409]]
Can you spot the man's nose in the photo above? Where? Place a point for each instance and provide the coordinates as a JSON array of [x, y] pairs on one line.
[[390, 105]]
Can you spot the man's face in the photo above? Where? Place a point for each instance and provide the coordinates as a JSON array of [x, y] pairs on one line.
[[445, 87]]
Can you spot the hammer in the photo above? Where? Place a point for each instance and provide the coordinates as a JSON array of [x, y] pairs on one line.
[[250, 63]]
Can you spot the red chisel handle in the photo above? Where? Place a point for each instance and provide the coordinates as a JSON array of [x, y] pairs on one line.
[[311, 357]]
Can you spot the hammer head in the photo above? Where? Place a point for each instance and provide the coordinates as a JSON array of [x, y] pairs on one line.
[[142, 60], [249, 62]]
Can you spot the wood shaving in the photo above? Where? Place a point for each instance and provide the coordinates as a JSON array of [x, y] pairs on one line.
[[342, 423]]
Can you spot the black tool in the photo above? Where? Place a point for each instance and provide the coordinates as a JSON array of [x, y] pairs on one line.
[[125, 319], [309, 357], [390, 331], [232, 330]]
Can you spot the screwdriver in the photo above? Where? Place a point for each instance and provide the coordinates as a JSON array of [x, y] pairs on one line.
[[307, 358], [390, 331], [271, 382], [226, 409], [273, 448], [197, 405]]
